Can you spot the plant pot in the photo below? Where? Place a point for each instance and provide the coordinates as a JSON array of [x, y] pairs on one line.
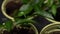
[[22, 29], [53, 21], [10, 7], [53, 28]]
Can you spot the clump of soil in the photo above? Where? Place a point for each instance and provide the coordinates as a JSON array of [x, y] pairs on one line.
[[20, 31], [12, 6], [56, 32]]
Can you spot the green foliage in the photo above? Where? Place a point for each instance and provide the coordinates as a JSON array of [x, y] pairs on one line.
[[25, 1], [1, 25], [49, 2], [25, 9], [8, 25], [54, 9], [38, 5], [39, 9], [26, 20]]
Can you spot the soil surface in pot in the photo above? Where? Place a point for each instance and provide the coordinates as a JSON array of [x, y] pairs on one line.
[[12, 6], [56, 32], [20, 31]]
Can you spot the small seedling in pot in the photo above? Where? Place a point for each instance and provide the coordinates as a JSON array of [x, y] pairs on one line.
[[45, 8]]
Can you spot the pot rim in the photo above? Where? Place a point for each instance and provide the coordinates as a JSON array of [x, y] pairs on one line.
[[4, 11], [33, 27], [36, 31], [48, 26], [53, 21], [53, 30]]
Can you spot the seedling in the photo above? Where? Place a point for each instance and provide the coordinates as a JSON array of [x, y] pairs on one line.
[[45, 8]]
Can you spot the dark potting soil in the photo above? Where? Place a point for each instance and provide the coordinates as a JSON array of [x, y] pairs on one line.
[[12, 6], [20, 31], [56, 32]]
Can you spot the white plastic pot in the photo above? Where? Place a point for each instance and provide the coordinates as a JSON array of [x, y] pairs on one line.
[[3, 8], [53, 27], [19, 26]]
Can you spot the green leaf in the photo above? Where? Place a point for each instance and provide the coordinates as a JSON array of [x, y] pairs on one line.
[[22, 21], [59, 1], [41, 1], [8, 25], [54, 7], [25, 9], [49, 3], [25, 1], [43, 13], [1, 26], [36, 1]]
